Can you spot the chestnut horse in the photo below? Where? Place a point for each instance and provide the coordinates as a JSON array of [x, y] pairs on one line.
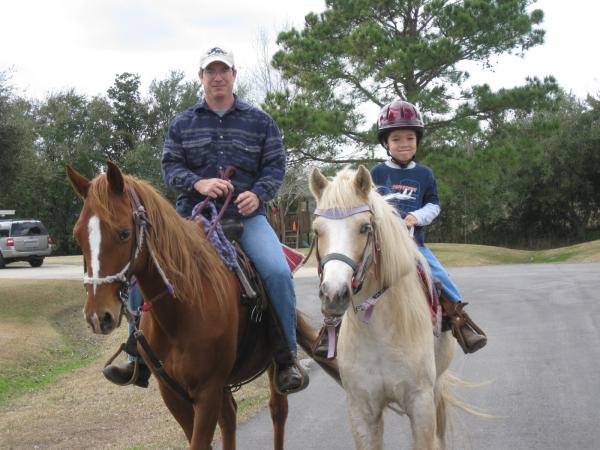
[[388, 353], [195, 331]]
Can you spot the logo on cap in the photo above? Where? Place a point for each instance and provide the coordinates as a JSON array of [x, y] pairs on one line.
[[216, 51]]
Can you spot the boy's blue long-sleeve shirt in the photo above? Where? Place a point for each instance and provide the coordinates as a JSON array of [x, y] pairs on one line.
[[409, 189], [200, 144]]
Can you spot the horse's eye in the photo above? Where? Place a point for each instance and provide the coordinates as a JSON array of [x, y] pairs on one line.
[[365, 228], [124, 234]]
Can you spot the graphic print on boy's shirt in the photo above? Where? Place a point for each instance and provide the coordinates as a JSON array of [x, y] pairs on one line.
[[403, 194]]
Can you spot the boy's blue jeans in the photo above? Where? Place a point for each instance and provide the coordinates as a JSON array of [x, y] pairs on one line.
[[262, 246], [439, 274]]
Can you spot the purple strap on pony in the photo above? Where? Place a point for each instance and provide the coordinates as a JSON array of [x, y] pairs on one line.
[[369, 304], [341, 213], [331, 323]]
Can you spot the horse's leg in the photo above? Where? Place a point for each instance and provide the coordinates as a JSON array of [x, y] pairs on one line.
[[227, 420], [366, 423], [180, 408], [207, 409], [421, 410], [278, 404]]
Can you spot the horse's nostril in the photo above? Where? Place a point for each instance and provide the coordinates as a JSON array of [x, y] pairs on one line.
[[344, 292], [107, 320]]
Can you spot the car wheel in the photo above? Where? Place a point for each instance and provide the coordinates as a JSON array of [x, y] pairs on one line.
[[36, 262], [2, 263]]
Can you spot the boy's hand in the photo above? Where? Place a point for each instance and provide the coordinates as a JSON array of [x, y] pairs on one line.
[[410, 221]]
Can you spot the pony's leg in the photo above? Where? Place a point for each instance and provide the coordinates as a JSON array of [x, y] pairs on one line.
[[278, 404], [227, 420], [421, 411], [207, 409], [366, 424], [180, 408]]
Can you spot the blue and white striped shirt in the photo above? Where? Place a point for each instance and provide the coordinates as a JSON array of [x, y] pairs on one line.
[[200, 144]]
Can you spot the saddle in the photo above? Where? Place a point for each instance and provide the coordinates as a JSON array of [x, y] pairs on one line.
[[261, 317]]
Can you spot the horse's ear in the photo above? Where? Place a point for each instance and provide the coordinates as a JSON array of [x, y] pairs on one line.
[[363, 182], [115, 178], [317, 183], [79, 183]]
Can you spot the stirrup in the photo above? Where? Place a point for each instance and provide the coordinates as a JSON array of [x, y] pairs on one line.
[[463, 327], [134, 375]]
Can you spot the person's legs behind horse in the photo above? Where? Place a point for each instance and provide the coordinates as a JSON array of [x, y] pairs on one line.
[[262, 246], [469, 336], [121, 373]]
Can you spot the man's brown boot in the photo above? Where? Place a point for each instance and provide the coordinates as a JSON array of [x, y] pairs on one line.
[[124, 374], [469, 336]]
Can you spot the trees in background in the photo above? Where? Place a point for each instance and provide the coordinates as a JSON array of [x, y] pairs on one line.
[[358, 55], [515, 167]]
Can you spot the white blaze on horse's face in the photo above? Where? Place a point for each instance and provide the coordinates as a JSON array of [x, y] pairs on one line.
[[347, 237], [95, 239]]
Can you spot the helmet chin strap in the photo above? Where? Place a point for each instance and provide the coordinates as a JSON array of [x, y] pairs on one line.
[[401, 164]]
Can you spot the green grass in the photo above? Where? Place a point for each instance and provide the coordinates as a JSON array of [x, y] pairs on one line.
[[453, 255], [43, 334]]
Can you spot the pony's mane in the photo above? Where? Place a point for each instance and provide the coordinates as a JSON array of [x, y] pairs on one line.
[[179, 245], [398, 255]]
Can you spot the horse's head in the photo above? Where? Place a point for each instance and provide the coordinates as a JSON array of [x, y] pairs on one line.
[[343, 228], [106, 234]]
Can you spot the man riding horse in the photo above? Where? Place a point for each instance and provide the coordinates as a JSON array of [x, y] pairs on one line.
[[202, 142]]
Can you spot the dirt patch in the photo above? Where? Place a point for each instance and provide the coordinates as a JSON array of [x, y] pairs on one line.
[[84, 411]]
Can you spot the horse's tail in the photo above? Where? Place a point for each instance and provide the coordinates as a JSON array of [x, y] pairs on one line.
[[447, 398], [306, 336]]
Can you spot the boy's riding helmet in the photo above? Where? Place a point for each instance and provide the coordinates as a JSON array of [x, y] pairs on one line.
[[399, 115]]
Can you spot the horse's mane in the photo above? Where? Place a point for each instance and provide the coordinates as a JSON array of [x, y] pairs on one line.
[[179, 245], [398, 256]]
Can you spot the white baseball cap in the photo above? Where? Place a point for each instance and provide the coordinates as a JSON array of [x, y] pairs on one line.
[[216, 54]]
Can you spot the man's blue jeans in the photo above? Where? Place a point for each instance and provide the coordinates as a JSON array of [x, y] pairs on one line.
[[135, 303], [262, 246], [439, 274]]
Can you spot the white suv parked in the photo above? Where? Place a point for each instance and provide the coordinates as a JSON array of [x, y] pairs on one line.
[[24, 240]]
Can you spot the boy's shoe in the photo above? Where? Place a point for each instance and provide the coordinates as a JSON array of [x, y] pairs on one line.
[[469, 336]]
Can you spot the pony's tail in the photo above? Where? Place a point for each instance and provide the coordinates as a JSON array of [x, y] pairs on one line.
[[306, 336], [447, 398]]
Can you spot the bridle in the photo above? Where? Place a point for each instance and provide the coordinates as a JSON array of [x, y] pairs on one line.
[[140, 219], [370, 254]]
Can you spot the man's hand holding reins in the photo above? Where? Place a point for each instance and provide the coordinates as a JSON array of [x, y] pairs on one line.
[[213, 187], [247, 202]]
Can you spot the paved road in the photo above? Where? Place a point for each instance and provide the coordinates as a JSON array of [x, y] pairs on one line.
[[542, 359], [23, 271], [543, 362]]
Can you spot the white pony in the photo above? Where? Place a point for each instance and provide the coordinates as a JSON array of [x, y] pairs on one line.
[[394, 359]]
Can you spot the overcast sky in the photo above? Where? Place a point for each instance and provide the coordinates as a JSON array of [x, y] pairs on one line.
[[52, 45]]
